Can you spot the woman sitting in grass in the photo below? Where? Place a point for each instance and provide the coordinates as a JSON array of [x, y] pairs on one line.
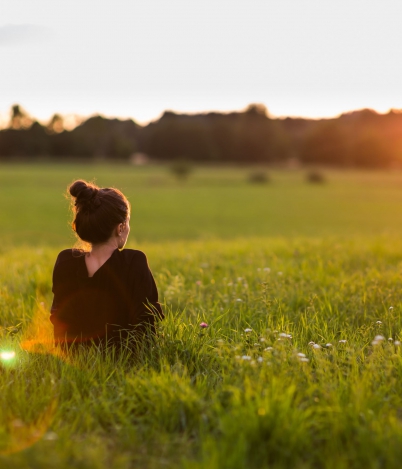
[[104, 294]]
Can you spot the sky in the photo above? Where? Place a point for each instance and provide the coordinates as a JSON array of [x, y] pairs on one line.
[[137, 58]]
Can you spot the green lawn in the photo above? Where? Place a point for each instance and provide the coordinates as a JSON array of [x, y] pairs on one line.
[[270, 269], [214, 202]]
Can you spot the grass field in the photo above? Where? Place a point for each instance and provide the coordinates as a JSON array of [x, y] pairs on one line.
[[215, 202], [270, 269]]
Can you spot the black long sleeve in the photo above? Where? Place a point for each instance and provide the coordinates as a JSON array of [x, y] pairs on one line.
[[144, 294], [120, 297]]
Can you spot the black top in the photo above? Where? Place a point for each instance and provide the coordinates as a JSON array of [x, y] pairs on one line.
[[121, 296]]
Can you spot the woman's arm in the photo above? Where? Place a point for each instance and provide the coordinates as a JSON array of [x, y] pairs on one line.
[[58, 326], [58, 288], [145, 305]]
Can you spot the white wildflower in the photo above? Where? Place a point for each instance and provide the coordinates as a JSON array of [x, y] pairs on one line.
[[343, 341], [328, 345], [301, 355], [379, 323], [246, 357], [239, 300], [317, 346], [248, 330], [379, 338], [262, 339], [285, 336], [397, 343], [268, 349], [260, 359], [311, 343], [391, 308], [304, 359]]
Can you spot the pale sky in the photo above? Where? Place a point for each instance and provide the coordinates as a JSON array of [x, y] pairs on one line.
[[136, 58]]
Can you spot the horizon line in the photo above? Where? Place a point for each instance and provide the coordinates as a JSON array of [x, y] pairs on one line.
[[80, 118]]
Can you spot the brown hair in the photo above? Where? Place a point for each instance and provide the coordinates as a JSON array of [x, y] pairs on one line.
[[97, 211]]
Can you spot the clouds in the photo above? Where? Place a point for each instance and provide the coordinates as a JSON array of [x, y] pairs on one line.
[[21, 34]]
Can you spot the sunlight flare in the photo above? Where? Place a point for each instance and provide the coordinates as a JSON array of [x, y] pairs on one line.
[[7, 355]]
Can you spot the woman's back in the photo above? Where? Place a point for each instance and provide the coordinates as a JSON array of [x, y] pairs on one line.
[[121, 296]]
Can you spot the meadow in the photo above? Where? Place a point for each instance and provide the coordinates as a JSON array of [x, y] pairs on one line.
[[300, 365]]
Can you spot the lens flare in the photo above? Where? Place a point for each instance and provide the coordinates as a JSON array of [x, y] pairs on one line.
[[7, 355]]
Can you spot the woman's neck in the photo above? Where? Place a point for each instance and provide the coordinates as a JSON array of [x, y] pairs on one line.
[[99, 254], [101, 251]]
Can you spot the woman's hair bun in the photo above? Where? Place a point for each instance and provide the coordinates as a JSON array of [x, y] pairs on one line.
[[82, 190]]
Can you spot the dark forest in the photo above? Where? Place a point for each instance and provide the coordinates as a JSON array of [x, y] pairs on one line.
[[361, 138]]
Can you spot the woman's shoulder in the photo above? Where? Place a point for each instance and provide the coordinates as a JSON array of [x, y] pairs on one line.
[[69, 255], [133, 255], [134, 259], [67, 265]]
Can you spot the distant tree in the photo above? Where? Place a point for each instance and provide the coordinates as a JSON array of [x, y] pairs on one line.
[[24, 142], [121, 147], [19, 118], [105, 138], [371, 149], [257, 109], [56, 124], [243, 137], [327, 143]]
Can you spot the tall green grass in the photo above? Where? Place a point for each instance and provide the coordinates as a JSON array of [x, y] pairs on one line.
[[235, 394]]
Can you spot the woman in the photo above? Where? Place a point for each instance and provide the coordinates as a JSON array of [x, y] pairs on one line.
[[103, 294]]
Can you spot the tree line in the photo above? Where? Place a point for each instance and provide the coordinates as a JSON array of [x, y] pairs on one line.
[[357, 139]]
